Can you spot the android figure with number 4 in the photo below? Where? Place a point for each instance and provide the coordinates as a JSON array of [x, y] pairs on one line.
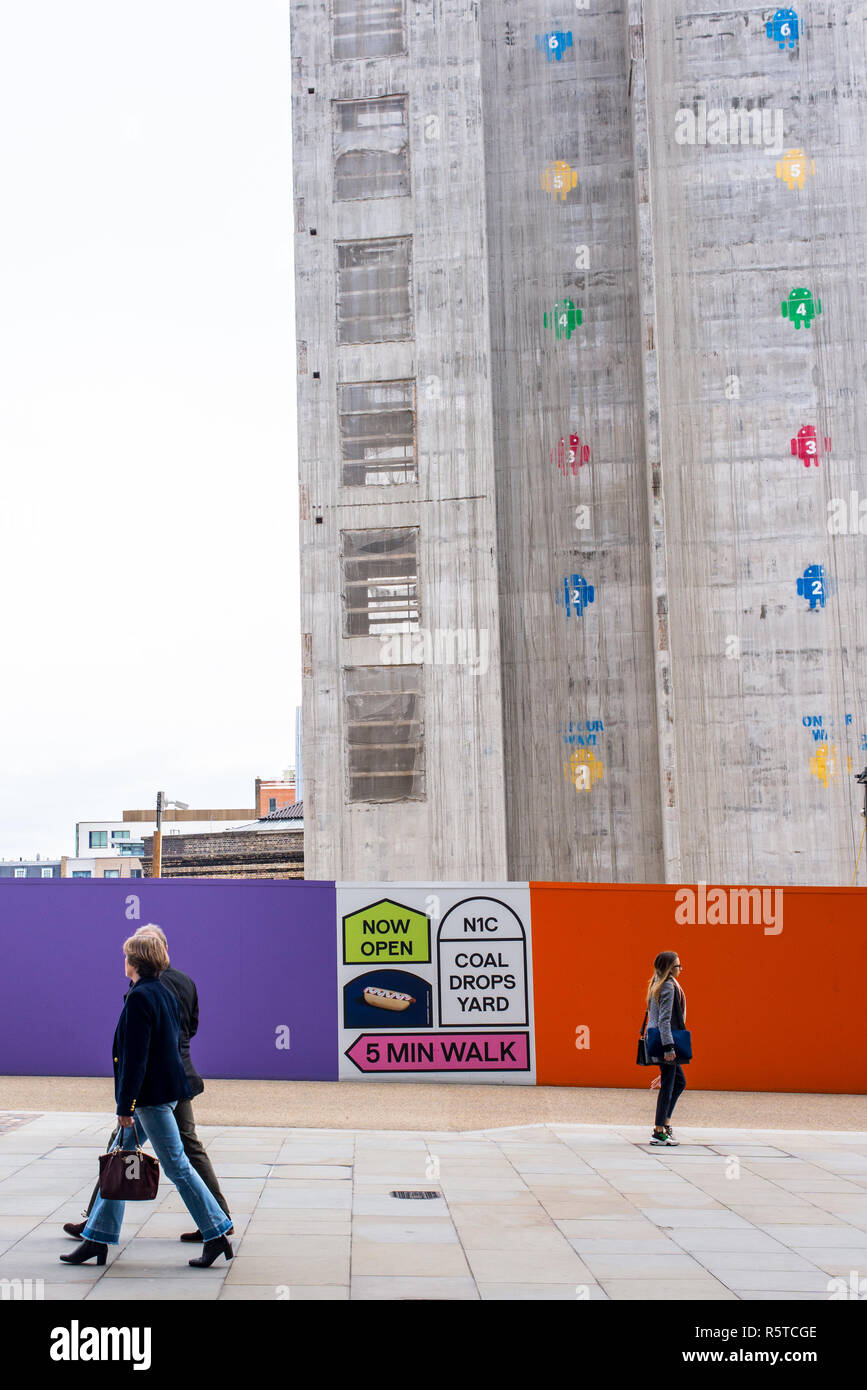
[[801, 308]]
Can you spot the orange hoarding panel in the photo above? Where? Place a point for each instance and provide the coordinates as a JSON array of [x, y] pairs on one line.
[[775, 983]]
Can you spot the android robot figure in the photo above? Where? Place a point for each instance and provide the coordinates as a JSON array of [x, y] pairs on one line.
[[564, 318], [555, 44], [811, 585], [794, 168], [805, 445], [558, 178], [577, 594], [582, 770], [783, 28], [571, 459], [801, 308]]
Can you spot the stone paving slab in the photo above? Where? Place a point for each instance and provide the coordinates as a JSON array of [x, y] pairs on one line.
[[536, 1212]]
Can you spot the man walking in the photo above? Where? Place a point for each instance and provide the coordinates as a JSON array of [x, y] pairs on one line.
[[184, 988]]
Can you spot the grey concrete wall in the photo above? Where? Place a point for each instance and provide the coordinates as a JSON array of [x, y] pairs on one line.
[[743, 517], [459, 830], [701, 672], [594, 668]]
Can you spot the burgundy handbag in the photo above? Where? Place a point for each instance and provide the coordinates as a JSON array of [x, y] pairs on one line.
[[128, 1175]]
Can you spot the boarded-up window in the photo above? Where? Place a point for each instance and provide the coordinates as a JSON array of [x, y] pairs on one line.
[[373, 290], [377, 432], [371, 150], [384, 709], [367, 28], [380, 582]]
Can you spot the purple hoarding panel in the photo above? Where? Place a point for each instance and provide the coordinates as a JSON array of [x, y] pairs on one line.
[[263, 955]]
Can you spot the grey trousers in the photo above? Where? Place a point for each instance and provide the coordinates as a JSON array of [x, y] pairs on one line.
[[193, 1148]]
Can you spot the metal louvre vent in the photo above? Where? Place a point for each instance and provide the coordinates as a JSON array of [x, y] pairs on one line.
[[384, 733], [371, 149], [380, 582], [414, 1196], [373, 290], [377, 433]]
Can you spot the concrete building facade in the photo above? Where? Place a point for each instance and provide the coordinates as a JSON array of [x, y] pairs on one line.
[[581, 385]]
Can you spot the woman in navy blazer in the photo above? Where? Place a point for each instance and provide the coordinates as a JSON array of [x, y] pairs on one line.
[[149, 1080], [147, 1061]]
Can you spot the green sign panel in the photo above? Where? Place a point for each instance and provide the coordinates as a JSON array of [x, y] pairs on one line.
[[386, 933]]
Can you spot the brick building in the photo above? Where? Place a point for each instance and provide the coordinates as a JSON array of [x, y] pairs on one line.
[[271, 847]]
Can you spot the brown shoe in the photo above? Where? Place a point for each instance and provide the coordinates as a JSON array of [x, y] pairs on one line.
[[76, 1230]]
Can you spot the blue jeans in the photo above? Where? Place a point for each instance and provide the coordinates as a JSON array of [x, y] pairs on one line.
[[158, 1123]]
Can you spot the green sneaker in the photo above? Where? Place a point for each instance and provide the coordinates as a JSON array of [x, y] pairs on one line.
[[666, 1139]]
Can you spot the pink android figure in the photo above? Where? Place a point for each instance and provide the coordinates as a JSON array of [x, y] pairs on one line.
[[571, 458], [805, 445]]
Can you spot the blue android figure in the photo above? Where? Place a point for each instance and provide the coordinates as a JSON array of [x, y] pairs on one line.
[[554, 44], [577, 594], [811, 585], [783, 28]]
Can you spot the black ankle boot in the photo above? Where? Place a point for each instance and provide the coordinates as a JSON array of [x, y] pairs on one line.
[[211, 1249], [86, 1251], [194, 1236]]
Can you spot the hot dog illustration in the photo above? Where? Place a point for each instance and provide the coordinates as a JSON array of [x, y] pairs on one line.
[[387, 998]]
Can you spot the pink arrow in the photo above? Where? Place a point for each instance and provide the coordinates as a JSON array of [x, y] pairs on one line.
[[400, 1052]]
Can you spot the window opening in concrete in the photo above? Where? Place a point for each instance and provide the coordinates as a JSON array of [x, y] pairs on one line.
[[367, 28], [383, 708], [373, 290], [380, 582], [371, 149], [377, 433]]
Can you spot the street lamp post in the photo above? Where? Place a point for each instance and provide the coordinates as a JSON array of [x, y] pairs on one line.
[[157, 867]]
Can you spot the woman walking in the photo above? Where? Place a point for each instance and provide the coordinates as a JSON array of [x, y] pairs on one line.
[[149, 1080], [666, 1010]]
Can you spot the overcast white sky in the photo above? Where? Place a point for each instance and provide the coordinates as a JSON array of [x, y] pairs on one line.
[[148, 494]]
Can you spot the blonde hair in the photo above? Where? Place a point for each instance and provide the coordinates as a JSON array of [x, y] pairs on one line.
[[153, 930], [663, 969], [147, 955]]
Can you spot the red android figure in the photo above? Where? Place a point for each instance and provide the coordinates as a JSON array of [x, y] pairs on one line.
[[805, 445], [571, 457]]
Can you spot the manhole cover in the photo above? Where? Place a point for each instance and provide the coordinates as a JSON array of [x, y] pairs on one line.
[[414, 1196]]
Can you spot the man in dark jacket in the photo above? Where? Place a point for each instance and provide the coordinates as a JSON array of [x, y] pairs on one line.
[[188, 1000]]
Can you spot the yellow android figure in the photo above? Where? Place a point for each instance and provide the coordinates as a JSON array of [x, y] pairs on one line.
[[558, 178], [825, 765], [794, 168], [583, 769]]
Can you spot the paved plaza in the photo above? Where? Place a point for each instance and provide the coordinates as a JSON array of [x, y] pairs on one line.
[[547, 1211]]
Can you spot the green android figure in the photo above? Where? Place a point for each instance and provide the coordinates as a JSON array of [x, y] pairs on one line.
[[801, 308], [564, 318]]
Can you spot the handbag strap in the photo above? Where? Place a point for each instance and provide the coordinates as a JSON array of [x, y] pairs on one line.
[[117, 1146], [644, 1020]]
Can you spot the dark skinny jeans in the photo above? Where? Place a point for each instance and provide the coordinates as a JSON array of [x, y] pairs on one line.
[[673, 1083]]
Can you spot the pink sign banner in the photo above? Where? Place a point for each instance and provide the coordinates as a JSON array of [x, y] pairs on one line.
[[449, 1052]]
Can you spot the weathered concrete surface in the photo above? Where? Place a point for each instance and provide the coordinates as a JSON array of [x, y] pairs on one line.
[[697, 662], [743, 517]]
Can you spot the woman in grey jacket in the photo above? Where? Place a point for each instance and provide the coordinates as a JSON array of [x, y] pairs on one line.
[[666, 1009]]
